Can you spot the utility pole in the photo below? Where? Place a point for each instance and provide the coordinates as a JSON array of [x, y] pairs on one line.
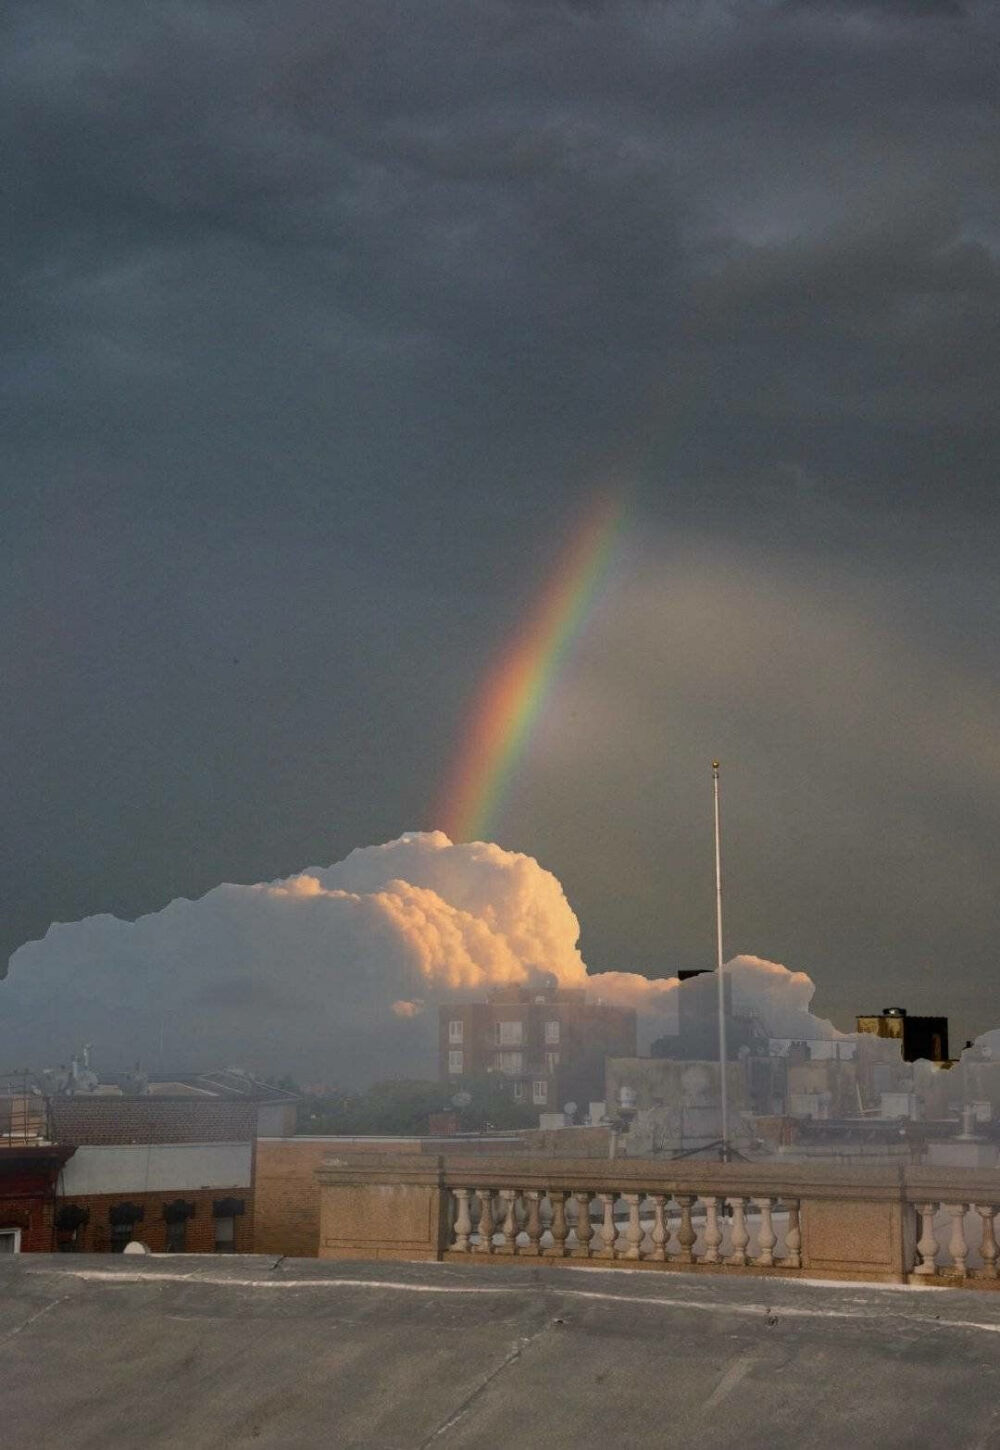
[[720, 972]]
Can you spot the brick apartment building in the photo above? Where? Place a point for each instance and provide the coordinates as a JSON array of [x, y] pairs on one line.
[[548, 1043], [148, 1120], [29, 1175], [162, 1105], [175, 1173], [169, 1162], [30, 1164], [175, 1197]]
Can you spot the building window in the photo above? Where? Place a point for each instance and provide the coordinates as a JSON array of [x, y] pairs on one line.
[[455, 1060], [176, 1235], [519, 1090], [539, 1091], [511, 1063], [551, 1061], [225, 1212], [510, 1034], [456, 1031], [225, 1236], [71, 1220], [552, 1032], [175, 1216], [123, 1218], [10, 1240]]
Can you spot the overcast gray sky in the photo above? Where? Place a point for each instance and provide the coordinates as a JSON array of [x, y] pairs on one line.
[[323, 324]]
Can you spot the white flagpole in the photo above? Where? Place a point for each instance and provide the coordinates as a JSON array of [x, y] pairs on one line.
[[719, 970]]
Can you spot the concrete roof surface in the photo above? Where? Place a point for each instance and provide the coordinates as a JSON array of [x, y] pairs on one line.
[[186, 1352]]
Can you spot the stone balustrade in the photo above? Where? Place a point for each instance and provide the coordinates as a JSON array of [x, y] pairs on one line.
[[891, 1223], [656, 1228]]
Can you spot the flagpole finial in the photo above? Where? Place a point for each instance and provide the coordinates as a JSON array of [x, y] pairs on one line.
[[715, 766]]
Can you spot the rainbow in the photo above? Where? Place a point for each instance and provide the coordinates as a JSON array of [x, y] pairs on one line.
[[511, 698]]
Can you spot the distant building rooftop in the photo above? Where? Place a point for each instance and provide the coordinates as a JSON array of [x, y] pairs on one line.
[[223, 1083]]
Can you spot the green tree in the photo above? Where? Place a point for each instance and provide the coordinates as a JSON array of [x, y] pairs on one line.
[[493, 1106], [404, 1105], [399, 1105]]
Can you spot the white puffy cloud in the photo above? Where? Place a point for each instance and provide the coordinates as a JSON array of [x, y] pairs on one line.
[[777, 997], [334, 972]]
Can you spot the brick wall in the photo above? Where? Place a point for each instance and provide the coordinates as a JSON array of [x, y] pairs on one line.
[[153, 1120], [95, 1237], [566, 1142], [571, 1067], [27, 1189], [286, 1195], [33, 1216], [286, 1192]]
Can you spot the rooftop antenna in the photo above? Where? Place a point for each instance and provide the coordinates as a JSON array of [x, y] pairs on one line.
[[719, 971]]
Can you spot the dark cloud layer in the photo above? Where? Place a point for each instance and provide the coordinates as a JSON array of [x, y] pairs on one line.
[[322, 323]]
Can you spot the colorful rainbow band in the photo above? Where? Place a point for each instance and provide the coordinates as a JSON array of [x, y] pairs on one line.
[[511, 699]]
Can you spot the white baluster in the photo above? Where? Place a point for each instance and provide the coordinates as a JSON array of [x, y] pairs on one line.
[[533, 1227], [545, 1213], [988, 1250], [557, 1198], [713, 1231], [660, 1232], [584, 1228], [957, 1246], [766, 1237], [793, 1235], [485, 1245], [927, 1244], [686, 1232], [520, 1215], [508, 1221], [608, 1231], [740, 1235], [463, 1221], [633, 1234]]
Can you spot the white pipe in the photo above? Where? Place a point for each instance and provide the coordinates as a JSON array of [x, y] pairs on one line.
[[723, 1086]]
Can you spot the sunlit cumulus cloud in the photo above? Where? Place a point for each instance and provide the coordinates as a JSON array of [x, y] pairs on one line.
[[333, 972]]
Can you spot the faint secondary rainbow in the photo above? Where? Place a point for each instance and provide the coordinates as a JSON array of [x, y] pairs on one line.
[[510, 701]]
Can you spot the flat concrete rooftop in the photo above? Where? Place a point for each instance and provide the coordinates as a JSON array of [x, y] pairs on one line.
[[180, 1353]]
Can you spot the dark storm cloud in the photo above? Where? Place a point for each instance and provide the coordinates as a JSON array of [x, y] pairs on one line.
[[321, 321], [535, 202]]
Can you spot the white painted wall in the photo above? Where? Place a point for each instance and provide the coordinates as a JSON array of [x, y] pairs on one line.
[[156, 1168], [276, 1120]]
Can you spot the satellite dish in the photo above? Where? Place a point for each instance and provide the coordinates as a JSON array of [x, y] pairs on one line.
[[461, 1100], [569, 1109]]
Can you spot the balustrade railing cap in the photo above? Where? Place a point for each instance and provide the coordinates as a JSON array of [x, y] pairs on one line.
[[938, 1181], [365, 1167], [536, 1170], [686, 1174]]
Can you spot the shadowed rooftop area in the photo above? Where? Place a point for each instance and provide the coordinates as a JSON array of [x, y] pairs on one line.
[[184, 1352]]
